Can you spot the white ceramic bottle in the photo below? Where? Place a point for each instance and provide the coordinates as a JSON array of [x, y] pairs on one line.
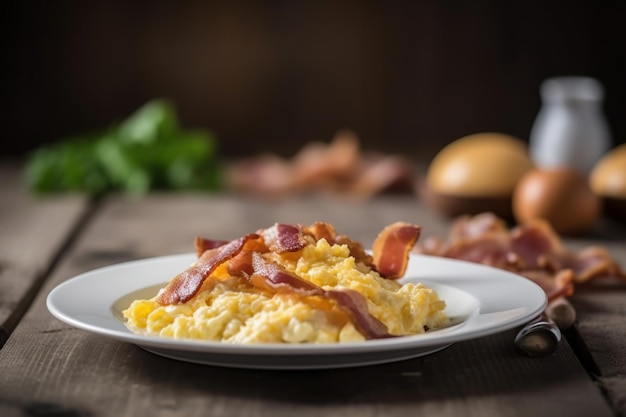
[[570, 129]]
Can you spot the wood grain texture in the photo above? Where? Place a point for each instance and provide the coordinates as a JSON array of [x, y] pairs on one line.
[[32, 232], [92, 375], [46, 363], [601, 312]]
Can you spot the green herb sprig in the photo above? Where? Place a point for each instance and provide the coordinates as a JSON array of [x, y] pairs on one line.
[[147, 151]]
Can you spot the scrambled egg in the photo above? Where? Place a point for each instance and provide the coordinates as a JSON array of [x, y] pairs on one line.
[[233, 311]]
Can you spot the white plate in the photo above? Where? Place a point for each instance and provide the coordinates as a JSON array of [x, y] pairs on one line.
[[480, 300]]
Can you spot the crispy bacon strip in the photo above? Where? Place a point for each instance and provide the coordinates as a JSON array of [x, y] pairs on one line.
[[392, 247], [201, 244], [283, 238], [244, 257], [186, 284], [321, 230], [269, 275], [241, 264], [277, 277], [355, 305]]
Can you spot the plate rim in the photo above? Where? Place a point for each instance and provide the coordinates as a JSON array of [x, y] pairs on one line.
[[420, 341]]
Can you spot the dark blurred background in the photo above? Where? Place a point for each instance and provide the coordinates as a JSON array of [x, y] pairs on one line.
[[269, 76]]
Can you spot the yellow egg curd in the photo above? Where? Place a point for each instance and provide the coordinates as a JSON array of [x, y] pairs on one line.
[[230, 309]]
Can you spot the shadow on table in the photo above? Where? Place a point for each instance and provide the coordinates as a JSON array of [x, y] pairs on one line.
[[464, 369]]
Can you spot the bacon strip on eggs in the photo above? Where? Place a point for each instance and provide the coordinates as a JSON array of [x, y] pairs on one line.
[[244, 258]]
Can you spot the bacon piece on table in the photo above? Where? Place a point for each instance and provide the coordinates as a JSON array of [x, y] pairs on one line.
[[492, 250], [532, 249], [554, 284], [478, 225], [588, 263], [339, 167], [534, 242]]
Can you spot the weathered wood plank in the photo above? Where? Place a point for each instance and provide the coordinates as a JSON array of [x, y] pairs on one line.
[[32, 232], [602, 324], [601, 308], [601, 312], [96, 376], [46, 363]]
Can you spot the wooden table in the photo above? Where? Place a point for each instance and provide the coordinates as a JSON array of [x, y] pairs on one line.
[[48, 368]]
